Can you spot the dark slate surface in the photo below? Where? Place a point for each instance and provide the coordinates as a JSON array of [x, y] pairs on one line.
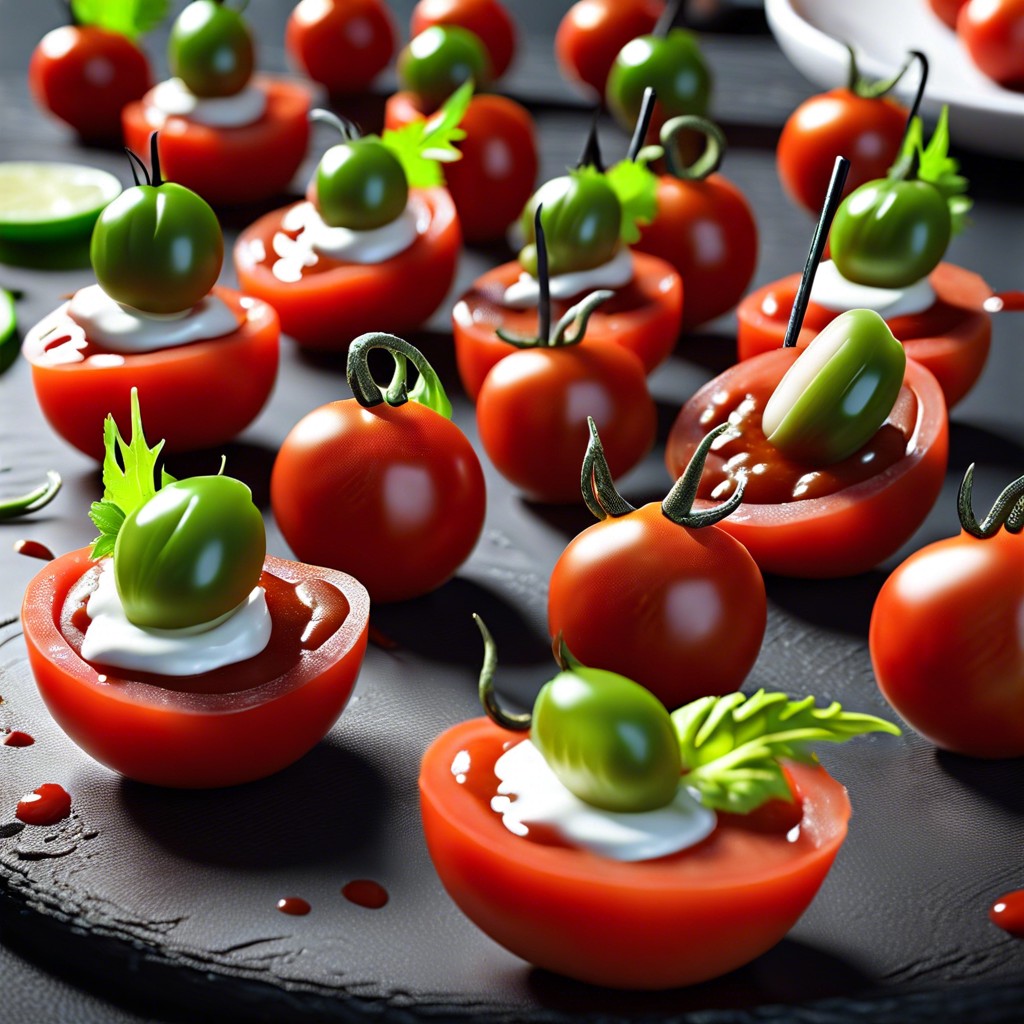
[[150, 905]]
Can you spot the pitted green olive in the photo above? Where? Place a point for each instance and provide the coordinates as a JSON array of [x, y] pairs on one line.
[[440, 59], [211, 49], [360, 185]]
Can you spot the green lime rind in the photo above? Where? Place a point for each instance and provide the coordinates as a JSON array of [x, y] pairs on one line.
[[8, 331], [50, 202]]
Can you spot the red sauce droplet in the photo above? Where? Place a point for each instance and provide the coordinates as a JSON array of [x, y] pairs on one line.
[[1008, 913], [33, 549], [17, 739], [364, 892], [49, 804], [294, 905]]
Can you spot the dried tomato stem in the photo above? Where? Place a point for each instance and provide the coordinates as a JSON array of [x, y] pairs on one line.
[[427, 391], [678, 504], [1007, 511], [596, 481], [488, 698]]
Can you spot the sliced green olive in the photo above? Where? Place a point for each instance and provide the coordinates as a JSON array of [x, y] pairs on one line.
[[360, 185], [609, 740], [211, 49], [191, 554], [839, 391]]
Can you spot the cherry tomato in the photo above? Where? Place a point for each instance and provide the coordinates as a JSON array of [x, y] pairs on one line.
[[592, 33], [991, 31], [946, 643], [334, 302], [859, 512], [86, 75], [496, 174], [951, 338], [947, 10], [653, 924], [211, 49], [195, 395], [219, 728], [439, 60], [394, 493], [342, 44], [488, 20]]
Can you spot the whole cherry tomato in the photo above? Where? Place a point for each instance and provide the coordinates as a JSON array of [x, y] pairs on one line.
[[945, 637], [342, 44], [947, 10], [592, 33], [991, 31], [488, 20], [86, 75], [389, 487]]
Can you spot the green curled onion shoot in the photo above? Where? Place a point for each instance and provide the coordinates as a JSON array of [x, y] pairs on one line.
[[34, 500], [427, 391]]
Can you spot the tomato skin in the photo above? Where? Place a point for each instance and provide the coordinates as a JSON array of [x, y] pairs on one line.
[[992, 31], [327, 310], [342, 44], [947, 10], [648, 925], [172, 737], [946, 644], [680, 611], [706, 230], [592, 33], [842, 533], [951, 339], [643, 318], [395, 495], [195, 395], [492, 182], [229, 166], [868, 132], [488, 20], [86, 75], [532, 416]]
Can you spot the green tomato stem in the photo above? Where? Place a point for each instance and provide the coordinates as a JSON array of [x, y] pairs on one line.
[[34, 500], [869, 90], [591, 155], [1007, 511], [643, 123], [678, 504], [347, 129], [428, 390], [714, 147], [154, 159], [596, 481], [512, 721]]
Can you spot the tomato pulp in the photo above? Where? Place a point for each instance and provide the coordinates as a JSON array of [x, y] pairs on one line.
[[643, 316], [228, 166], [334, 302], [858, 512], [196, 395], [232, 725], [951, 338], [653, 924]]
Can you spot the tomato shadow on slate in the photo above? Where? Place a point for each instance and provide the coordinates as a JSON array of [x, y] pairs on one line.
[[1000, 782], [248, 462], [970, 443], [842, 605]]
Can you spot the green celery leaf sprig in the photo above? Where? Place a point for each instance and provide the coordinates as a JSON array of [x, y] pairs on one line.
[[130, 18], [636, 187], [731, 746]]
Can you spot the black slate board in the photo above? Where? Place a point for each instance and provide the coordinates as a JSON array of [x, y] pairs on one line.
[[166, 899]]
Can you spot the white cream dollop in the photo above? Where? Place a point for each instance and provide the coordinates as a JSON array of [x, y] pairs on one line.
[[833, 291], [618, 271], [112, 640], [530, 795], [119, 328], [173, 98]]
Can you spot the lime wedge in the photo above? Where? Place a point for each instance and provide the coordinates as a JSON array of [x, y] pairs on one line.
[[8, 328], [48, 202]]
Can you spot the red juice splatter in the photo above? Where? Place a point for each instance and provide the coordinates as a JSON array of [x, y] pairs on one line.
[[33, 549], [294, 905], [49, 804], [17, 738], [364, 892], [1008, 913]]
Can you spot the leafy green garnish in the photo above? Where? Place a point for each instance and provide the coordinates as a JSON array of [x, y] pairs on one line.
[[128, 489], [731, 745], [129, 18], [636, 187], [423, 145]]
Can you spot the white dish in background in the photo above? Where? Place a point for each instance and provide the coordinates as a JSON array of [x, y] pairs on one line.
[[812, 34]]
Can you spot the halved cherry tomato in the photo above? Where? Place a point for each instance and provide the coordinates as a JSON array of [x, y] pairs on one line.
[[951, 338], [229, 166], [651, 924], [195, 395], [335, 302], [947, 10], [854, 521], [86, 75], [592, 33], [342, 44], [219, 728], [992, 31], [488, 20], [492, 182], [643, 317]]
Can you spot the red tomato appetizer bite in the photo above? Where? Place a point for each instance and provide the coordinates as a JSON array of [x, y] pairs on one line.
[[376, 243], [175, 651], [946, 640], [628, 848], [204, 358], [226, 135]]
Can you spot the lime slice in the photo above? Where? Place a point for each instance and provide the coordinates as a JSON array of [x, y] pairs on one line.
[[8, 329], [48, 202]]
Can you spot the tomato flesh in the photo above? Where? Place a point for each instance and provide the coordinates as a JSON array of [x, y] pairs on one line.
[[235, 724], [654, 924]]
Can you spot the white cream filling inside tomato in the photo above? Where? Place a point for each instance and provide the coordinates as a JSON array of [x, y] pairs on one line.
[[174, 98], [833, 291], [616, 273]]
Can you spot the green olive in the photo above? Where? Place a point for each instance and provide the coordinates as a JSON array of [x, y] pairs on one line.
[[211, 49], [440, 59], [190, 554], [839, 391], [360, 185], [609, 740]]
